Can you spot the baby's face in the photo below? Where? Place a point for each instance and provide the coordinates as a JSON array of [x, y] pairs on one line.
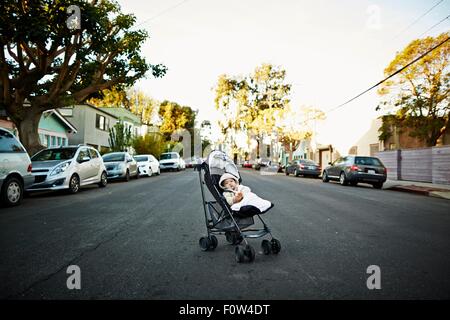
[[230, 184]]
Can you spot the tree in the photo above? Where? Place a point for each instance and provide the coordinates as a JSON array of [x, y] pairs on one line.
[[250, 104], [49, 65], [132, 99], [152, 143], [418, 97], [120, 137], [175, 117]]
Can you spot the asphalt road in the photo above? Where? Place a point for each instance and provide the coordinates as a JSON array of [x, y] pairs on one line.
[[139, 240]]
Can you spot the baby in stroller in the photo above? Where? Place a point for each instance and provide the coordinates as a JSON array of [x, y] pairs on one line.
[[233, 209], [238, 195]]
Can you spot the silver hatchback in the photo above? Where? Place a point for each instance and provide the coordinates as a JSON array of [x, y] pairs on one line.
[[68, 167], [15, 169]]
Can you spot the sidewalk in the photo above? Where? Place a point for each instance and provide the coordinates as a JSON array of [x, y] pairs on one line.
[[428, 189]]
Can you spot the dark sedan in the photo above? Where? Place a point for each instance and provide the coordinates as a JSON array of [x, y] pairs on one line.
[[303, 167], [354, 169]]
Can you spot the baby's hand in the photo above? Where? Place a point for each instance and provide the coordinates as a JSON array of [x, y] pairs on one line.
[[238, 197]]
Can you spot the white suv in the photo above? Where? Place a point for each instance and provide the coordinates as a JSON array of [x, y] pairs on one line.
[[68, 167], [15, 169], [171, 161]]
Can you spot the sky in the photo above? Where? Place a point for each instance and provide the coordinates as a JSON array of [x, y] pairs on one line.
[[331, 50]]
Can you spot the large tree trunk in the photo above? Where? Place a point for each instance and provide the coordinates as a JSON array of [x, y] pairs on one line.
[[28, 132]]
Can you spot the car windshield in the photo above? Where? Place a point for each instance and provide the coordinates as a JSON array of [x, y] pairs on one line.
[[368, 161], [308, 162], [54, 154], [141, 158], [114, 157], [166, 156]]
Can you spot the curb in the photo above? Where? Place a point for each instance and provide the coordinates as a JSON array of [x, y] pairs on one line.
[[431, 192]]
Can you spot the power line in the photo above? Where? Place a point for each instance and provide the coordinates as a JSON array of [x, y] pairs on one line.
[[435, 25], [161, 13], [390, 76], [415, 21]]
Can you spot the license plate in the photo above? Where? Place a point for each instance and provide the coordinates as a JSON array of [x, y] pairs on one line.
[[311, 168], [371, 171]]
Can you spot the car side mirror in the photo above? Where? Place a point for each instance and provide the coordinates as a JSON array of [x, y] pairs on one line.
[[129, 160], [330, 163]]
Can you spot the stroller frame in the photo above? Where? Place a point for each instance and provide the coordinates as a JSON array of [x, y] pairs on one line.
[[220, 219]]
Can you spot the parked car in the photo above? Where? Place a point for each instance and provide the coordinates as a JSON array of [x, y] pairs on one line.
[[303, 167], [247, 164], [190, 162], [355, 169], [120, 165], [261, 163], [15, 169], [147, 164], [67, 167], [171, 161]]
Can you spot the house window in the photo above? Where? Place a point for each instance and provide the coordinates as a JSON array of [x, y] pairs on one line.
[[53, 141], [100, 122], [59, 141]]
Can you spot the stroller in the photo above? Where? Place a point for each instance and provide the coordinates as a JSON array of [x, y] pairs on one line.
[[221, 219]]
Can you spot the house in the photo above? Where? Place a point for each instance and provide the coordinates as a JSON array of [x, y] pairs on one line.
[[54, 129], [369, 143], [129, 119], [92, 125], [399, 137]]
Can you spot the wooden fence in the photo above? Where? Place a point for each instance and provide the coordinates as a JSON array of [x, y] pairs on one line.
[[424, 164]]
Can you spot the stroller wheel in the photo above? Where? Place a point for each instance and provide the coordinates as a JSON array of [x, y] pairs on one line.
[[213, 242], [239, 254], [266, 247], [249, 253], [276, 246], [204, 243]]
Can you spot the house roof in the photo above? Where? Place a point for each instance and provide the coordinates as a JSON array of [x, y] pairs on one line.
[[104, 110], [62, 119], [123, 114]]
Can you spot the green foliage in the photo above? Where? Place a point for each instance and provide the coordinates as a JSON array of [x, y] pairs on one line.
[[120, 137], [251, 103], [134, 100], [50, 65], [418, 97], [175, 117], [152, 143]]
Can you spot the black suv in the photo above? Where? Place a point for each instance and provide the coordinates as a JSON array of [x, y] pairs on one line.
[[354, 169]]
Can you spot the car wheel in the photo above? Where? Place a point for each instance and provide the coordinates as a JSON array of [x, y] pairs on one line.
[[137, 174], [297, 173], [103, 180], [378, 185], [287, 172], [12, 192], [127, 176], [342, 179], [74, 184], [325, 177]]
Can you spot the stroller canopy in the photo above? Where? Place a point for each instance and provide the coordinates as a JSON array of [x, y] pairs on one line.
[[219, 163]]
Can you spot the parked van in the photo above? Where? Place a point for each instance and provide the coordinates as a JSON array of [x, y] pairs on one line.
[[15, 169]]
